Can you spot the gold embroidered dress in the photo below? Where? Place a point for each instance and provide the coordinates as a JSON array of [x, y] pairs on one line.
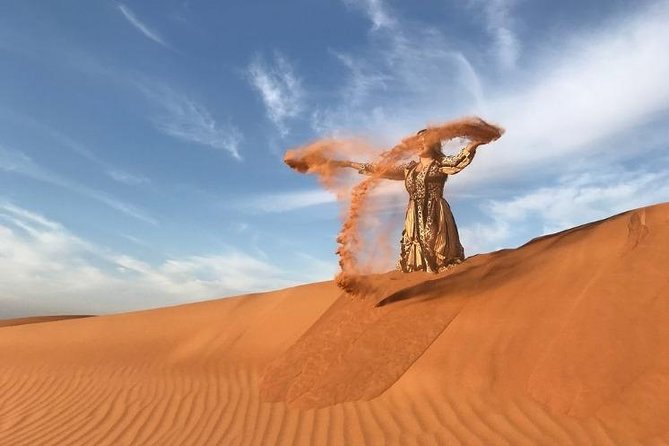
[[430, 240]]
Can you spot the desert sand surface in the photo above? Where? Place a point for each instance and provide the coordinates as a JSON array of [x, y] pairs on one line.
[[564, 340], [36, 320]]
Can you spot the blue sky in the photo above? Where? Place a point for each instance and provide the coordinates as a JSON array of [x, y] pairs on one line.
[[141, 143]]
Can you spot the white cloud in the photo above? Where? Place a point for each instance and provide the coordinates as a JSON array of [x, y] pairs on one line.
[[46, 269], [576, 96], [279, 87], [183, 118], [386, 195], [285, 201], [573, 200], [140, 26], [498, 20], [376, 11], [318, 269], [582, 89], [135, 240], [17, 162], [406, 76], [600, 85], [126, 177], [65, 141], [179, 115], [364, 79]]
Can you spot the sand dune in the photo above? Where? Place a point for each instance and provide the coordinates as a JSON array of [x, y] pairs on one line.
[[564, 340], [36, 320]]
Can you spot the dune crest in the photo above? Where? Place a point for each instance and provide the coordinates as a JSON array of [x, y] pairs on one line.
[[564, 340], [37, 320]]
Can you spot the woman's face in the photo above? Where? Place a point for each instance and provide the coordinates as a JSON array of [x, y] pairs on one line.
[[425, 150]]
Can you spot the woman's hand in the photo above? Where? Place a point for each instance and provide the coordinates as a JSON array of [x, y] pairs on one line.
[[356, 166], [344, 163], [471, 148]]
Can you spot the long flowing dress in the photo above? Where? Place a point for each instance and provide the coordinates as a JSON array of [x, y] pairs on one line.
[[430, 240]]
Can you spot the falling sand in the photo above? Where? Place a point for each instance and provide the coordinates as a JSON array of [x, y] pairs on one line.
[[562, 341], [320, 158]]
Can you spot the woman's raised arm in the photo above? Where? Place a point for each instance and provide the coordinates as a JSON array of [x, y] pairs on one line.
[[395, 172], [450, 165]]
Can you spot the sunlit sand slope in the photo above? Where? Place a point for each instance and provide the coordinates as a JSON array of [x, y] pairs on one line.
[[564, 340]]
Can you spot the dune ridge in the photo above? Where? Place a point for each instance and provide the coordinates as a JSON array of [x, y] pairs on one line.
[[563, 340], [38, 319]]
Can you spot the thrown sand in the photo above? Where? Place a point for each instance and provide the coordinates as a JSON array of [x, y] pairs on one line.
[[564, 340]]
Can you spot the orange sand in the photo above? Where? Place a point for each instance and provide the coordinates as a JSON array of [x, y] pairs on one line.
[[564, 340], [36, 320]]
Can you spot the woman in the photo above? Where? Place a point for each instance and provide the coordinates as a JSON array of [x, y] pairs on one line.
[[430, 240]]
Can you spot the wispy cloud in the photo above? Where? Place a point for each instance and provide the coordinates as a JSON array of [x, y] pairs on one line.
[[364, 79], [115, 173], [62, 140], [279, 87], [572, 200], [286, 201], [17, 162], [587, 94], [499, 20], [47, 269], [178, 115], [182, 117], [385, 197], [376, 11], [405, 77], [597, 88], [592, 86], [127, 178], [141, 26]]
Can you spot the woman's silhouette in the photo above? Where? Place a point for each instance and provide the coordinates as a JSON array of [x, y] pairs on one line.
[[430, 239]]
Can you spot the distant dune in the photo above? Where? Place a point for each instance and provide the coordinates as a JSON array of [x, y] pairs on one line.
[[562, 341], [36, 320]]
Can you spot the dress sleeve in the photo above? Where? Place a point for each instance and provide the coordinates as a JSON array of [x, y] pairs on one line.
[[459, 161], [395, 172]]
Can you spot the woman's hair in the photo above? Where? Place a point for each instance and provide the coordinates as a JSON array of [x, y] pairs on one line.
[[435, 148], [435, 145]]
